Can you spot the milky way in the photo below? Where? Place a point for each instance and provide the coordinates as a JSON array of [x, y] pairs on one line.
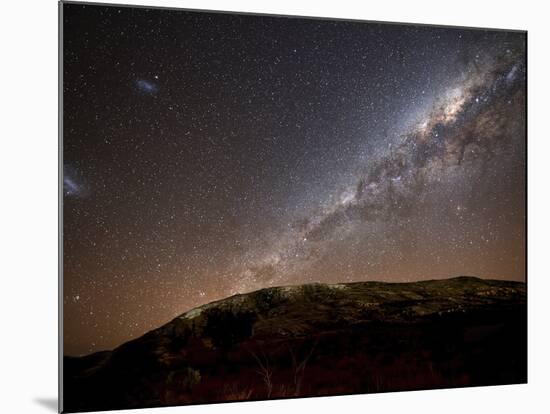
[[208, 154], [457, 133]]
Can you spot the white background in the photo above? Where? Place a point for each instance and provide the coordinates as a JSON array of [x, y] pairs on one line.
[[28, 204]]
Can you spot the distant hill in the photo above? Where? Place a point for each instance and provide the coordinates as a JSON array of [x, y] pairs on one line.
[[315, 339]]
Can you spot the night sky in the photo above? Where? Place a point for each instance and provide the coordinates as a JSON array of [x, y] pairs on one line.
[[209, 154]]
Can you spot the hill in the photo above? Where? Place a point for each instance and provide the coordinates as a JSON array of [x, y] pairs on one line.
[[315, 339]]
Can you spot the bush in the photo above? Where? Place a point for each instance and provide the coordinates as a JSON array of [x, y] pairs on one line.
[[227, 328]]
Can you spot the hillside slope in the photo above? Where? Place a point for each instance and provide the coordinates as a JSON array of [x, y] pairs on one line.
[[315, 340]]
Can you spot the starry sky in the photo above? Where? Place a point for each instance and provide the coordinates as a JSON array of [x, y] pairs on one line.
[[209, 154]]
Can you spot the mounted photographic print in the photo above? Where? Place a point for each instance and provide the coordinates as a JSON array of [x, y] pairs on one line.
[[260, 207]]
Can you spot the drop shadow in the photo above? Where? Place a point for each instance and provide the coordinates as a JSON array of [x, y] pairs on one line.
[[49, 403]]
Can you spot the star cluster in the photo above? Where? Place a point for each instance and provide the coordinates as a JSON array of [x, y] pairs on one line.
[[209, 154]]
